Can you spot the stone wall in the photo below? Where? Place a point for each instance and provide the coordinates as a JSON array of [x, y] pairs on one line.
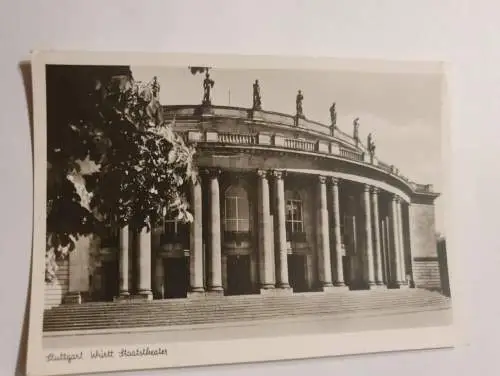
[[424, 260], [56, 290], [422, 230], [426, 273]]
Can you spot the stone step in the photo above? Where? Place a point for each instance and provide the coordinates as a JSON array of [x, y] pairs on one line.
[[147, 321], [183, 303], [164, 313], [186, 304], [84, 315], [305, 295]]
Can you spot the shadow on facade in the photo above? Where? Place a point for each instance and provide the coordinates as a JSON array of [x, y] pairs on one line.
[[443, 266]]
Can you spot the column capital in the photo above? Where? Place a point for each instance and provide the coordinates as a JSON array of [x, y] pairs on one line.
[[322, 179], [367, 187], [212, 172], [334, 180], [396, 198], [278, 174], [262, 173], [375, 190]]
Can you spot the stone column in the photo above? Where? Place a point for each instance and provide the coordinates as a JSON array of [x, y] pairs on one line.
[[339, 270], [401, 243], [196, 243], [368, 236], [396, 271], [324, 234], [281, 227], [266, 256], [144, 258], [215, 273], [124, 258], [379, 276]]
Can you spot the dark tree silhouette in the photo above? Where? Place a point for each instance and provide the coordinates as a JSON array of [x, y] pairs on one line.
[[112, 160]]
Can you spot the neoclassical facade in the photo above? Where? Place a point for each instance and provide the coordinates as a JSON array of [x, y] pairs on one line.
[[283, 205]]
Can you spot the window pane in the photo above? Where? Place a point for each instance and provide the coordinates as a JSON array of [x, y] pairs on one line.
[[230, 208], [231, 225], [298, 212], [289, 210], [169, 227], [243, 225], [243, 209], [300, 226]]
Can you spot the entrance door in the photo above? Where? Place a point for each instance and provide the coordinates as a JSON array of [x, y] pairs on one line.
[[110, 277], [238, 275], [297, 272], [176, 271]]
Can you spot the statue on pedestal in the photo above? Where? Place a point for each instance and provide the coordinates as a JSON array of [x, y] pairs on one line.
[[298, 102], [208, 84], [257, 105], [333, 115], [155, 87], [356, 130], [370, 144], [333, 118]]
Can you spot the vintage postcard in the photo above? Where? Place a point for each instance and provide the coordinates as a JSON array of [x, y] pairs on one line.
[[209, 209]]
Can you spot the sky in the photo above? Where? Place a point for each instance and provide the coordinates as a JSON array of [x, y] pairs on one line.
[[401, 110]]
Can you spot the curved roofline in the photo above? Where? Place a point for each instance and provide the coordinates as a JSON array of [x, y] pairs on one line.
[[412, 187], [424, 191], [345, 139]]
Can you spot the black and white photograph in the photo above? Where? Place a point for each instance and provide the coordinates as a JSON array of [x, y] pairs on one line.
[[196, 210]]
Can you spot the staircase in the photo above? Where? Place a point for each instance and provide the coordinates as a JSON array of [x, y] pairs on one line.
[[226, 309]]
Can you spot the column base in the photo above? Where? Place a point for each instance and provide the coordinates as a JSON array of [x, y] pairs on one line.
[[377, 287], [124, 295], [278, 291], [268, 291], [395, 285], [333, 288], [197, 289], [196, 294], [215, 290], [283, 285], [146, 295], [267, 286]]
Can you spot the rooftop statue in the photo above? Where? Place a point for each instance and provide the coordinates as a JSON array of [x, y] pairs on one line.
[[300, 98], [370, 144], [208, 84], [355, 134], [257, 104], [155, 87], [333, 115]]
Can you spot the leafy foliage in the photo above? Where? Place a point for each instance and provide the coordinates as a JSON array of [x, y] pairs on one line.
[[112, 159]]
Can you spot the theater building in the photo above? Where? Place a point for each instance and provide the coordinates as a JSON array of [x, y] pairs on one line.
[[284, 205]]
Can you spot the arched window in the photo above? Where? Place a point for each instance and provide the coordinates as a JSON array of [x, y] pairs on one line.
[[294, 214], [236, 210]]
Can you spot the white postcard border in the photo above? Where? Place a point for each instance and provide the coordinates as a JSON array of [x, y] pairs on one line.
[[234, 351]]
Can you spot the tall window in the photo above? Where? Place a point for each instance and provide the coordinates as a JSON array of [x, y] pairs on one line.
[[294, 214], [110, 237], [172, 226], [236, 210], [174, 231]]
